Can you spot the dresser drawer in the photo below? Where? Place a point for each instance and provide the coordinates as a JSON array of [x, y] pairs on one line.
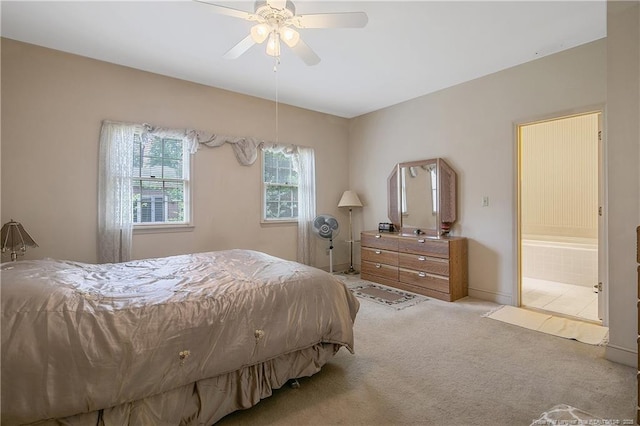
[[432, 266], [424, 280], [381, 241], [379, 256], [426, 246], [380, 269], [420, 262]]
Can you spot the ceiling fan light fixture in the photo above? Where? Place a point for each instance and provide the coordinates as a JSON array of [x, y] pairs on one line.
[[268, 8], [290, 36], [273, 45], [276, 22], [260, 32]]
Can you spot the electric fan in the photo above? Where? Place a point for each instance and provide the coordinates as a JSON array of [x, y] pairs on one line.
[[326, 227]]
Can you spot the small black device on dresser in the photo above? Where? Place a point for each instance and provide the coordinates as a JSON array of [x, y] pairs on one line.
[[386, 227]]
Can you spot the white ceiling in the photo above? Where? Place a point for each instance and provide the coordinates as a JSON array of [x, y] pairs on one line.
[[407, 49]]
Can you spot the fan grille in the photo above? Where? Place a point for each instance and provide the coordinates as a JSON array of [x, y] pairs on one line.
[[326, 226]]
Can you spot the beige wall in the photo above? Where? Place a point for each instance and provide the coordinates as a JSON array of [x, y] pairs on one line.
[[52, 107], [623, 186], [472, 126]]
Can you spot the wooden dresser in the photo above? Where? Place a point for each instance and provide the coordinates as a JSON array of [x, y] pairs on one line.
[[435, 267]]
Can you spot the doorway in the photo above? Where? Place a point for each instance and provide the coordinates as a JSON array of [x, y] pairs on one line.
[[558, 216]]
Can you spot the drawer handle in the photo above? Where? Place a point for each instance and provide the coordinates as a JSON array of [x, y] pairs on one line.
[[421, 240], [378, 236], [422, 274], [378, 252], [378, 265], [422, 258]]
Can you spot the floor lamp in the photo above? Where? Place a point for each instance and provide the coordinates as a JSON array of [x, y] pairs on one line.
[[350, 199]]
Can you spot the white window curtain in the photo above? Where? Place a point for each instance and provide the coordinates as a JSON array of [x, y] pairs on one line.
[[115, 198], [306, 203], [115, 192], [305, 164]]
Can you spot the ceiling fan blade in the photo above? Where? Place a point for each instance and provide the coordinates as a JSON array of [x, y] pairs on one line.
[[237, 50], [331, 20], [305, 53], [223, 10], [277, 4]]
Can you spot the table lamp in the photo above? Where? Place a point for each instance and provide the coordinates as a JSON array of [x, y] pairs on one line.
[[14, 238]]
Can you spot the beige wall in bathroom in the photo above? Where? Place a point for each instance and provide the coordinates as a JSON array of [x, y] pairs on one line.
[[559, 179]]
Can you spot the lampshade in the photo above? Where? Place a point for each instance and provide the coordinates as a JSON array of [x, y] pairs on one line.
[[350, 199], [273, 45], [289, 36], [13, 237], [260, 32]]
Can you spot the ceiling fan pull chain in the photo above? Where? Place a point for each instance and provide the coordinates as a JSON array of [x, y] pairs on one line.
[[275, 70], [276, 62]]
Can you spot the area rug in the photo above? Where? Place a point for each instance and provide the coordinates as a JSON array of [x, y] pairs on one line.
[[384, 295], [584, 332], [564, 414]]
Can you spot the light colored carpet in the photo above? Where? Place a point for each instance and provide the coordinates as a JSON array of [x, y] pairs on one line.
[[584, 332], [440, 363]]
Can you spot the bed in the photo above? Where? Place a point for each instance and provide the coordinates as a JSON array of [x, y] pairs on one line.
[[177, 340]]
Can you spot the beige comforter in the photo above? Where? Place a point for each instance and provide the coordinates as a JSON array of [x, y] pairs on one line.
[[79, 337]]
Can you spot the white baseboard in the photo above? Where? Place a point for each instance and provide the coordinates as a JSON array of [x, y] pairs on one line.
[[491, 296], [622, 355]]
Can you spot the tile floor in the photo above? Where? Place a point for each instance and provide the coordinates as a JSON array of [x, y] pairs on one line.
[[574, 300]]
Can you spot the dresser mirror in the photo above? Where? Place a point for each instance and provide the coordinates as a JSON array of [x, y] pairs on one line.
[[422, 197]]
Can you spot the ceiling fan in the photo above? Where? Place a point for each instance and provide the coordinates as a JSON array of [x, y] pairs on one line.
[[275, 21]]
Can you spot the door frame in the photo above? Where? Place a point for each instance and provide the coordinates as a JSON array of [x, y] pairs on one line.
[[603, 230], [603, 258]]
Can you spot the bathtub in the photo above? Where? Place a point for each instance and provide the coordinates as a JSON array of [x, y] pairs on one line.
[[565, 260]]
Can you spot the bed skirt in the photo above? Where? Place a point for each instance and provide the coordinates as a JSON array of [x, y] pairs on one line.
[[206, 401]]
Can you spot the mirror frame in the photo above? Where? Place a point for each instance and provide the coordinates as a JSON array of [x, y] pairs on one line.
[[446, 214]]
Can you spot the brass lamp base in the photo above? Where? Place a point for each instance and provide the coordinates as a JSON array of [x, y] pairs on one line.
[[351, 271]]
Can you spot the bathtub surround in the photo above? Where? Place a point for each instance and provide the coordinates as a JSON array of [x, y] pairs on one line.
[[572, 262]]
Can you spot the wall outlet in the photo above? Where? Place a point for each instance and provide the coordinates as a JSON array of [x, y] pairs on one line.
[[485, 201]]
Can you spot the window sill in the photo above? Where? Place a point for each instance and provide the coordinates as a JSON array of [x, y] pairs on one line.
[[158, 229], [279, 222]]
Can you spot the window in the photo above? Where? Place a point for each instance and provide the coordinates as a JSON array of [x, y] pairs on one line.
[[150, 209], [160, 181], [280, 186]]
